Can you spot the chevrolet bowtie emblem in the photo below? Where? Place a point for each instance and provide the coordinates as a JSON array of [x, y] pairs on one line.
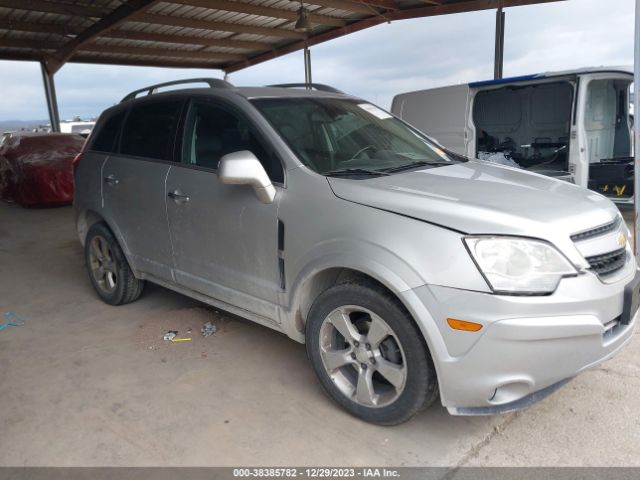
[[622, 240]]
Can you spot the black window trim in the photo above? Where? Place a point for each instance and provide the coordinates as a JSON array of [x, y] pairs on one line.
[[267, 145]]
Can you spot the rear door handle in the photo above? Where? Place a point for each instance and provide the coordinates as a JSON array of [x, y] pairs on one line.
[[111, 180], [178, 196]]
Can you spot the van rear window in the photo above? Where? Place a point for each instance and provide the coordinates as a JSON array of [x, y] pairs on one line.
[[150, 130]]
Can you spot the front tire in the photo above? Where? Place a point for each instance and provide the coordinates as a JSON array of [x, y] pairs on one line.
[[368, 354], [108, 269]]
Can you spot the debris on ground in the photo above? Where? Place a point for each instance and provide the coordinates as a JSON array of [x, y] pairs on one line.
[[170, 335], [208, 329], [185, 323], [13, 320]]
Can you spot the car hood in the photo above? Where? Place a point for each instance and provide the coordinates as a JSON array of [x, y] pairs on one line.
[[481, 198]]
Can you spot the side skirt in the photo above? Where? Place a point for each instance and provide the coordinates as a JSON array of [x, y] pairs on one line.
[[241, 312]]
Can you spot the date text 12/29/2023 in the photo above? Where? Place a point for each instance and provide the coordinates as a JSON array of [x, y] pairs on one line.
[[316, 472]]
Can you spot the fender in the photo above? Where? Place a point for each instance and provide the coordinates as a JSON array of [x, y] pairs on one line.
[[97, 212], [377, 262], [368, 258]]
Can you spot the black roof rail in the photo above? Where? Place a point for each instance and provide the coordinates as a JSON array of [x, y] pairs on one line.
[[212, 82], [314, 86]]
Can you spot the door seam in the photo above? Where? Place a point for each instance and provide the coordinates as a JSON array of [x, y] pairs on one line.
[[104, 162], [166, 212]]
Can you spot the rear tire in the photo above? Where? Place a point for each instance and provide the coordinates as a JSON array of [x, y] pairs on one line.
[[108, 268], [368, 353]]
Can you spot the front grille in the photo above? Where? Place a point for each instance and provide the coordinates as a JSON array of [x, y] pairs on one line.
[[608, 263], [594, 232]]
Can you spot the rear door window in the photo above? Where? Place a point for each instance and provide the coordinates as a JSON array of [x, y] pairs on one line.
[[150, 130]]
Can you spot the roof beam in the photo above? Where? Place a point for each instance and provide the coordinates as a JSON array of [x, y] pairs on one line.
[[56, 7], [248, 8], [118, 50], [63, 29], [138, 62], [210, 26], [161, 52], [346, 5], [186, 40], [19, 56], [460, 7], [113, 19], [388, 4], [145, 62], [31, 44], [53, 28]]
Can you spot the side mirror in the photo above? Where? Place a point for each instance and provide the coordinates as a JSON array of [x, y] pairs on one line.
[[243, 168]]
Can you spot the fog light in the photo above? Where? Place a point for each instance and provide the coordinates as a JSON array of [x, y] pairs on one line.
[[463, 325]]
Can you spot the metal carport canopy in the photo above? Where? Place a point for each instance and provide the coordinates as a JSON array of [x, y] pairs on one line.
[[221, 34]]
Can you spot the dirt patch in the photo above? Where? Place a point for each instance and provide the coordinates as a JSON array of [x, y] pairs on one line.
[[188, 323], [73, 246]]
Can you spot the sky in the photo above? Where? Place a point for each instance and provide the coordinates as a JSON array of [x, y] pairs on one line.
[[374, 64]]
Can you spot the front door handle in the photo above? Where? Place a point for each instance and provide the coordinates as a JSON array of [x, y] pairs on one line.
[[111, 180], [178, 196]]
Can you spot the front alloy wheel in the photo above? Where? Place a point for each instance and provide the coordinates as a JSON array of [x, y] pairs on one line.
[[362, 356], [369, 354]]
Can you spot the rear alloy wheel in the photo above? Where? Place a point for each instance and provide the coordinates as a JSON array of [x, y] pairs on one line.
[[368, 353], [102, 264], [108, 269]]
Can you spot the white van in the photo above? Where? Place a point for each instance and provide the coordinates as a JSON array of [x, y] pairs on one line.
[[573, 125], [81, 127]]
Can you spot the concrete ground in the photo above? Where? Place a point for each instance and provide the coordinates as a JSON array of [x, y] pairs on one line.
[[84, 383]]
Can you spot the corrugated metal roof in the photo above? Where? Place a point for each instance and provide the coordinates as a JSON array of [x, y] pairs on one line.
[[225, 34]]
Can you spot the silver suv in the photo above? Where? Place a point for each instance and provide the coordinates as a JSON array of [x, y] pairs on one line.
[[406, 269]]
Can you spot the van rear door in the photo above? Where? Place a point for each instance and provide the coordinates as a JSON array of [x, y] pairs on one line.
[[440, 113]]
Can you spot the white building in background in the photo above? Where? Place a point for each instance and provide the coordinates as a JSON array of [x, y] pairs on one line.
[[81, 127]]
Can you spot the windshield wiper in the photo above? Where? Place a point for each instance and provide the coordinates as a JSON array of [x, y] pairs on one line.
[[354, 171], [419, 163]]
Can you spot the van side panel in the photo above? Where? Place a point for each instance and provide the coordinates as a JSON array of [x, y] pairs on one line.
[[440, 113]]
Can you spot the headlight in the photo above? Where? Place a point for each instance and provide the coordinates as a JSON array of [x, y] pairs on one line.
[[522, 266]]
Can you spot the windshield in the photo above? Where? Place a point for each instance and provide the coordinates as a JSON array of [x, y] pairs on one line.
[[346, 136]]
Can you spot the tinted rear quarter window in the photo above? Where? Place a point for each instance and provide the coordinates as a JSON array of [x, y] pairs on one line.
[[106, 136], [150, 129]]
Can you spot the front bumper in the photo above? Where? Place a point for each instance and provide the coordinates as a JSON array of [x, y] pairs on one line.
[[528, 346]]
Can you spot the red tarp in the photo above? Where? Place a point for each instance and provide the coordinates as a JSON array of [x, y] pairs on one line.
[[36, 169]]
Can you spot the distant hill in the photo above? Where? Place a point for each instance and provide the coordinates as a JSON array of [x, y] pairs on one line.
[[11, 125]]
